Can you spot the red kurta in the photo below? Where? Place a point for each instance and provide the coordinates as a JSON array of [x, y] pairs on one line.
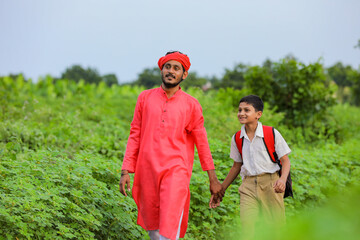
[[160, 150]]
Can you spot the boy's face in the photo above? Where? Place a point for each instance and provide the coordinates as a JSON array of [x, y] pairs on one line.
[[247, 113]]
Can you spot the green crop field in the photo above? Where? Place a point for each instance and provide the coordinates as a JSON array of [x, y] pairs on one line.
[[61, 150]]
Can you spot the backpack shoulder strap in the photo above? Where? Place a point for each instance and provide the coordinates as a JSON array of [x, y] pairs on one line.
[[269, 141], [239, 142]]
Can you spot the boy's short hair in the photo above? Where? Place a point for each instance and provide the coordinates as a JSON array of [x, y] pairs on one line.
[[253, 100]]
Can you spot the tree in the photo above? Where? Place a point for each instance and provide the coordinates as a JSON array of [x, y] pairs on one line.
[[355, 89], [76, 73], [149, 78], [110, 79], [194, 81], [301, 91], [215, 82], [340, 74], [260, 80], [358, 44], [234, 78]]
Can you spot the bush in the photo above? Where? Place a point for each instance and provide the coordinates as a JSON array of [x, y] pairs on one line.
[[61, 146]]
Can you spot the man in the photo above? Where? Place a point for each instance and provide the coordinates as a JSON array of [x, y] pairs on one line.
[[160, 151]]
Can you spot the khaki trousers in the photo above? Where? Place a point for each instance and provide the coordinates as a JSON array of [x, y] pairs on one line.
[[259, 201]]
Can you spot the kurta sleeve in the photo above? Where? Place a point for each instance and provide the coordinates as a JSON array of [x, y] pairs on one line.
[[198, 131], [133, 143]]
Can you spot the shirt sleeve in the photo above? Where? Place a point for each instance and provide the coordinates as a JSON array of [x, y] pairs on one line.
[[133, 143], [281, 146], [234, 151], [199, 134]]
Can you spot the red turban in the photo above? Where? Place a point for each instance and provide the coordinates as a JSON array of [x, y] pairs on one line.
[[181, 58]]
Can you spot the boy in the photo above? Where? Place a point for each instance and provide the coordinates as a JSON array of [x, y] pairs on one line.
[[262, 190]]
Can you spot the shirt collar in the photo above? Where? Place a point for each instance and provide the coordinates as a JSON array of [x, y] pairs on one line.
[[162, 91], [258, 132]]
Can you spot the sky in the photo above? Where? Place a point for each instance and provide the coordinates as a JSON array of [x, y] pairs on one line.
[[40, 37]]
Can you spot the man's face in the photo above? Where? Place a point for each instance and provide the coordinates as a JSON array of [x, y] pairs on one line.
[[172, 74]]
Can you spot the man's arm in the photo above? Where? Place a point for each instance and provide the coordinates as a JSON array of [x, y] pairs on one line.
[[199, 135], [132, 148], [133, 143]]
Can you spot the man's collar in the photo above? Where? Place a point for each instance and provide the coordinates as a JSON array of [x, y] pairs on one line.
[[164, 92]]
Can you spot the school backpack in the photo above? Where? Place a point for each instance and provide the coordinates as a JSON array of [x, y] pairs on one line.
[[269, 141]]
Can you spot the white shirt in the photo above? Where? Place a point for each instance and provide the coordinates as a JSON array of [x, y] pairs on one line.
[[256, 159]]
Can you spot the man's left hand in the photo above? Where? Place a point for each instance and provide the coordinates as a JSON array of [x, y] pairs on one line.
[[217, 189]]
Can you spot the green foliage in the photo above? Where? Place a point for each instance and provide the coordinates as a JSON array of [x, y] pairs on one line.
[[90, 75], [149, 78], [234, 78], [355, 78], [358, 44], [110, 79], [76, 73], [193, 80], [60, 146], [62, 142], [301, 92], [261, 82], [337, 219], [47, 195], [341, 75]]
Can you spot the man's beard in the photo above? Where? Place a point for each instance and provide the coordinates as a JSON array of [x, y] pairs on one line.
[[171, 85]]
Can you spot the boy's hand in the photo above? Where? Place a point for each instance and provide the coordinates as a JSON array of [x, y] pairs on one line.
[[280, 185], [216, 190], [214, 201]]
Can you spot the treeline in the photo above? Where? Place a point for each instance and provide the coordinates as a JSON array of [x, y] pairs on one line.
[[343, 79], [77, 73], [301, 93]]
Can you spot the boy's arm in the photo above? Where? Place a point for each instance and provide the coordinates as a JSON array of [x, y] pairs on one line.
[[233, 173], [280, 184]]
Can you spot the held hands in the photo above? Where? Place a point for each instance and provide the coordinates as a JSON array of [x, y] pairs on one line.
[[124, 181], [279, 185], [216, 198], [214, 201]]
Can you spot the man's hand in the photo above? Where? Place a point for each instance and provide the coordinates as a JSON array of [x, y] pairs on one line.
[[280, 185], [214, 202], [124, 181], [217, 189]]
